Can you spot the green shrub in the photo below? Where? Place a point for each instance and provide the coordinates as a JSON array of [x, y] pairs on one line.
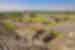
[[55, 33], [9, 25]]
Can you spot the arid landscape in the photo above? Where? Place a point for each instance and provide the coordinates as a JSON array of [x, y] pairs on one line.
[[37, 30]]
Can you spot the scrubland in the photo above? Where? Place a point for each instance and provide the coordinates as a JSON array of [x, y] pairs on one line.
[[33, 30]]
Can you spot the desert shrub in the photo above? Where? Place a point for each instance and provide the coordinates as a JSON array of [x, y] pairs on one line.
[[32, 15], [57, 19], [66, 18], [51, 23], [55, 33], [9, 25], [51, 36]]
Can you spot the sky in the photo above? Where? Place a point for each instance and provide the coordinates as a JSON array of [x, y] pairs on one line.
[[52, 5]]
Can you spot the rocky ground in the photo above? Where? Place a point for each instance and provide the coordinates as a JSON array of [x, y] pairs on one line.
[[26, 36], [58, 43]]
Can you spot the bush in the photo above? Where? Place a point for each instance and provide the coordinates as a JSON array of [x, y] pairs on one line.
[[9, 25], [54, 33]]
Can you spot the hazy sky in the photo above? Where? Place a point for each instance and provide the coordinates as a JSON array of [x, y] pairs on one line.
[[6, 5]]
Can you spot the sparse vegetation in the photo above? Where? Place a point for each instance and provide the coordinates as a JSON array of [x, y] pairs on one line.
[[28, 24], [9, 25]]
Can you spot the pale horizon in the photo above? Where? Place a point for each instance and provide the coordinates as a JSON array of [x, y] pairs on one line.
[[21, 5]]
